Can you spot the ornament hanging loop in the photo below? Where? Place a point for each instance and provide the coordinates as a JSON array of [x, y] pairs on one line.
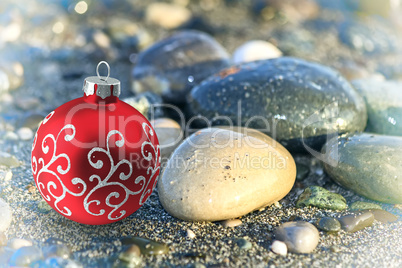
[[108, 70]]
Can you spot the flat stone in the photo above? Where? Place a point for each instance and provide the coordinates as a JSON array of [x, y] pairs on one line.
[[5, 215], [279, 247], [329, 225], [280, 97], [383, 216], [8, 160], [320, 197], [299, 236], [368, 164], [172, 66], [218, 174], [356, 222], [147, 246], [169, 135], [231, 223], [255, 50], [25, 256], [384, 105], [360, 205]]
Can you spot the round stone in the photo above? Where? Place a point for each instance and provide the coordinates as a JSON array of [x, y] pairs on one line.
[[280, 97], [219, 174], [167, 15], [279, 247], [243, 243], [299, 236], [25, 134], [368, 164], [169, 135], [255, 50], [329, 225], [172, 66], [5, 215]]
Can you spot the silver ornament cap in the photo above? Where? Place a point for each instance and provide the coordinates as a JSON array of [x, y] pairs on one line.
[[102, 86]]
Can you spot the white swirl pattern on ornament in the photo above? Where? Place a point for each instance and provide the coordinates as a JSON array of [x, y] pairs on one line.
[[55, 184], [140, 180]]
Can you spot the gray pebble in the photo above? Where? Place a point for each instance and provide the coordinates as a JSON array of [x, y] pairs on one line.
[[329, 225], [299, 236], [230, 223], [356, 222], [5, 215]]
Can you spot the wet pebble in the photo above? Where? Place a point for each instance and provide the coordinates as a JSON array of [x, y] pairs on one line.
[[167, 15], [285, 93], [146, 246], [8, 160], [243, 243], [384, 105], [25, 134], [360, 205], [299, 236], [172, 66], [5, 215], [25, 256], [322, 198], [383, 216], [205, 181], [17, 243], [368, 164], [255, 50], [356, 222], [131, 255], [147, 103], [328, 224], [169, 135], [279, 247], [190, 234], [231, 223]]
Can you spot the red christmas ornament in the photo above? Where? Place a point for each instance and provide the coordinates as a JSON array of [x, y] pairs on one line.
[[96, 159]]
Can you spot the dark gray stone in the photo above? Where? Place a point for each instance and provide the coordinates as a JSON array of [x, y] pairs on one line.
[[172, 66], [329, 225], [368, 164], [294, 101]]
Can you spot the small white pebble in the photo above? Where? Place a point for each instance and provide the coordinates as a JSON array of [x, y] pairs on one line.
[[277, 204], [17, 243], [279, 247], [190, 234], [25, 133], [11, 136], [231, 223], [8, 176]]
